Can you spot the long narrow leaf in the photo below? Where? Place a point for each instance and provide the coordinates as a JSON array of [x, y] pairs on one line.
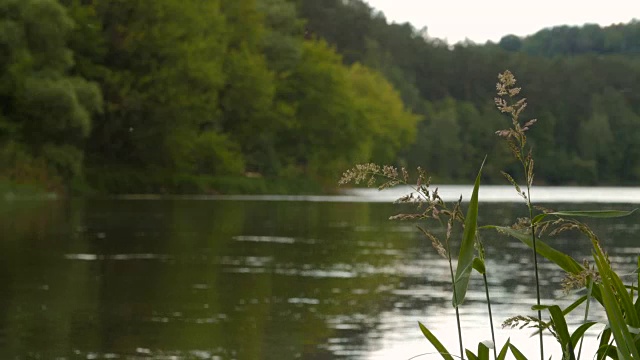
[[595, 213], [562, 331], [625, 300], [566, 311], [470, 355], [566, 262], [585, 213], [516, 353], [579, 332], [637, 303], [608, 351], [604, 346], [624, 341], [465, 259], [483, 352], [503, 352], [446, 355]]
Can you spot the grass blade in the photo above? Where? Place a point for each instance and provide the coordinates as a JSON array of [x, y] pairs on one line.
[[566, 262], [478, 265], [470, 355], [467, 248], [483, 352], [604, 346], [516, 353], [562, 331], [503, 351], [579, 332], [446, 355], [594, 213], [585, 213], [624, 341]]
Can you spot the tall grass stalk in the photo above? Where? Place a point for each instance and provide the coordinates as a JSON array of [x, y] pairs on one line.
[[453, 279], [493, 335], [617, 340], [509, 103], [455, 297]]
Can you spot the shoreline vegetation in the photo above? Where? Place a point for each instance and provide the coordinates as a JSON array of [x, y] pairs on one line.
[[602, 286], [170, 97]]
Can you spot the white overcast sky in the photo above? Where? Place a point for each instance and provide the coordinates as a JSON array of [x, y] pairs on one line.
[[482, 20]]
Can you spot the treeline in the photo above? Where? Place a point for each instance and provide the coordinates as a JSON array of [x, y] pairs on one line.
[[183, 96], [586, 97], [572, 40], [206, 96]]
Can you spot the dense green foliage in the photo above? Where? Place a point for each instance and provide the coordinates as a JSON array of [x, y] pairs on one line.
[[572, 40], [173, 96], [585, 81]]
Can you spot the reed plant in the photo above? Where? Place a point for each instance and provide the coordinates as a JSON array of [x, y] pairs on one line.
[[620, 338]]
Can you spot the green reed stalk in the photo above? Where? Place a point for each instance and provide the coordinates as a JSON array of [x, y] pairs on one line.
[[535, 261], [455, 297], [508, 102], [586, 312], [493, 336]]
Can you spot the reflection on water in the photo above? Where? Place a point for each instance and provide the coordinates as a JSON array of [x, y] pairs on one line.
[[220, 279]]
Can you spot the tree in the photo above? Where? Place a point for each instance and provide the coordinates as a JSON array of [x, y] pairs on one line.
[[325, 136], [163, 64], [42, 108], [389, 125]]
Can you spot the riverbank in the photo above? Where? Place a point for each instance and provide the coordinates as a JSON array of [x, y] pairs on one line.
[[10, 190], [118, 183]]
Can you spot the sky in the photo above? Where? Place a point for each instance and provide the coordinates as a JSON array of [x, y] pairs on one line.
[[482, 20]]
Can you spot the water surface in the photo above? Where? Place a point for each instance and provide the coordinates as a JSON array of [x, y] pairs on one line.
[[252, 279]]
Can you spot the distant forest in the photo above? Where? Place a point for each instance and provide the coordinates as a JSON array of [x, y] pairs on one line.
[[173, 96]]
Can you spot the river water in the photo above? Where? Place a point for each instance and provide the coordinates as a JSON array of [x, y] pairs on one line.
[[270, 277]]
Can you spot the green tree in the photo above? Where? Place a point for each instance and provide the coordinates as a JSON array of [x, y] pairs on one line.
[[388, 123], [248, 99], [325, 136], [42, 108], [438, 149], [164, 70]]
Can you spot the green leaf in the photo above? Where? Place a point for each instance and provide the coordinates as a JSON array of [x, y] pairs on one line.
[[562, 331], [604, 346], [470, 355], [566, 262], [594, 213], [625, 301], [608, 351], [538, 218], [446, 355], [579, 332], [566, 311], [637, 303], [624, 341], [503, 352], [516, 353], [483, 351], [585, 213], [465, 259], [478, 265]]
